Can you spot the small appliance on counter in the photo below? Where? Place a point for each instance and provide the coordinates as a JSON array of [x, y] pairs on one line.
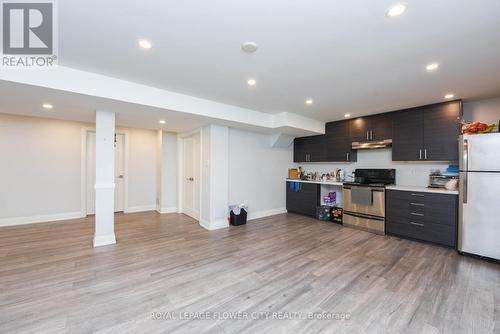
[[293, 173], [444, 180]]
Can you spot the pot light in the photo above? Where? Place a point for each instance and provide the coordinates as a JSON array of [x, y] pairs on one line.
[[309, 101], [162, 121], [47, 106], [252, 82], [145, 44], [396, 10], [347, 115], [249, 47], [449, 96], [432, 67]]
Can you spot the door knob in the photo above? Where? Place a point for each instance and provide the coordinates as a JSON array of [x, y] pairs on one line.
[[120, 176], [190, 178]]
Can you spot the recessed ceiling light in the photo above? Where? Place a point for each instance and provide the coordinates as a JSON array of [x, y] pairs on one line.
[[449, 96], [162, 121], [347, 115], [309, 101], [432, 67], [249, 47], [396, 10], [47, 106], [145, 44], [251, 82]]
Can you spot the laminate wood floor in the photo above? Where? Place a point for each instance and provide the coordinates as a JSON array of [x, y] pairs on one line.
[[166, 270]]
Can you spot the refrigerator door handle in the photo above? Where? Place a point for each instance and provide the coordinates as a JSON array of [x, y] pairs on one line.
[[464, 196], [466, 155], [466, 169]]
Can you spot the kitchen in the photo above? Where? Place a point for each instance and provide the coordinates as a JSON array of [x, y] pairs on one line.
[[409, 173]]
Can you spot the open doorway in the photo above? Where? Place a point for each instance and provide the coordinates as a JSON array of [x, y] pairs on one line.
[[120, 172], [191, 173]]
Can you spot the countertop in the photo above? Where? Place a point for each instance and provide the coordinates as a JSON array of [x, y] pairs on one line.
[[330, 183], [393, 187], [422, 189]]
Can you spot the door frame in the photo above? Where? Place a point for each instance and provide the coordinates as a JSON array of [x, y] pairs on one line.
[[180, 168], [83, 168]]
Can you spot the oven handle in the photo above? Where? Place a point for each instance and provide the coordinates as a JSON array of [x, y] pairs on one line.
[[373, 189], [360, 215]]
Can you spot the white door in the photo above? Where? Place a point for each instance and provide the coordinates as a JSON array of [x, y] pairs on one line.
[[119, 173], [191, 182]]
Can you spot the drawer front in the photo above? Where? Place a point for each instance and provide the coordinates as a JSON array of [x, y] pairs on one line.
[[426, 207], [440, 234], [425, 216]]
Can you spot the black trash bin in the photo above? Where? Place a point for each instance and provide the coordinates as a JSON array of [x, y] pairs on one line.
[[237, 220]]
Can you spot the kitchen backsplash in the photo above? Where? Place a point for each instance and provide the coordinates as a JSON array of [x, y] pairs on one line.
[[408, 174]]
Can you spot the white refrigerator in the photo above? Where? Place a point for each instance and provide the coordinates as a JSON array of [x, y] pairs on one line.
[[479, 206]]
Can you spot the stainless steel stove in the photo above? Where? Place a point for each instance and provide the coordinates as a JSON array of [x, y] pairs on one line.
[[364, 199]]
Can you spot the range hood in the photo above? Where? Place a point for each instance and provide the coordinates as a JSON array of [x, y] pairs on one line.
[[370, 145]]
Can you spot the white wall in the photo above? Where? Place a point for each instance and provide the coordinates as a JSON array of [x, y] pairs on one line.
[[486, 111], [257, 172], [40, 167], [40, 172]]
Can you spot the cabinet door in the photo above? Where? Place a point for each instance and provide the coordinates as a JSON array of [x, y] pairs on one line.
[[381, 126], [338, 143], [408, 135], [441, 131], [317, 148], [303, 200], [299, 149], [359, 129]]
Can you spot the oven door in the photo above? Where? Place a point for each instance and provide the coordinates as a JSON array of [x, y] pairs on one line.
[[378, 202], [364, 222]]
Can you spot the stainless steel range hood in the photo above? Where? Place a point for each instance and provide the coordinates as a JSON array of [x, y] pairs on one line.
[[370, 145]]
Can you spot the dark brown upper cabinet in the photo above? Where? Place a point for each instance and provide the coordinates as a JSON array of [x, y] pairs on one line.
[[427, 133], [441, 131], [338, 142], [408, 135], [309, 149], [371, 128]]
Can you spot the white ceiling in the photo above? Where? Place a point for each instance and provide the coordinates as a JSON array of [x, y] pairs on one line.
[[346, 55]]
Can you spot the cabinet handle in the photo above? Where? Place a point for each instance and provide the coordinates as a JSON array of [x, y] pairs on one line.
[[417, 204], [371, 134], [425, 155], [420, 154], [416, 214], [420, 195], [347, 156], [418, 224], [367, 135]]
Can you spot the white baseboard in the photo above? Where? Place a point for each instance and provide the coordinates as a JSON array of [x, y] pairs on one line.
[[140, 208], [40, 219], [266, 213], [104, 240], [171, 209], [215, 225]]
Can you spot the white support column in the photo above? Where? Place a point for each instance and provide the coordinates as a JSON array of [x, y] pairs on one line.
[[215, 177], [105, 179]]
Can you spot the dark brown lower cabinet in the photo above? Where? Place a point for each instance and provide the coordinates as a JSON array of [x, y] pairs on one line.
[[423, 216], [303, 198]]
